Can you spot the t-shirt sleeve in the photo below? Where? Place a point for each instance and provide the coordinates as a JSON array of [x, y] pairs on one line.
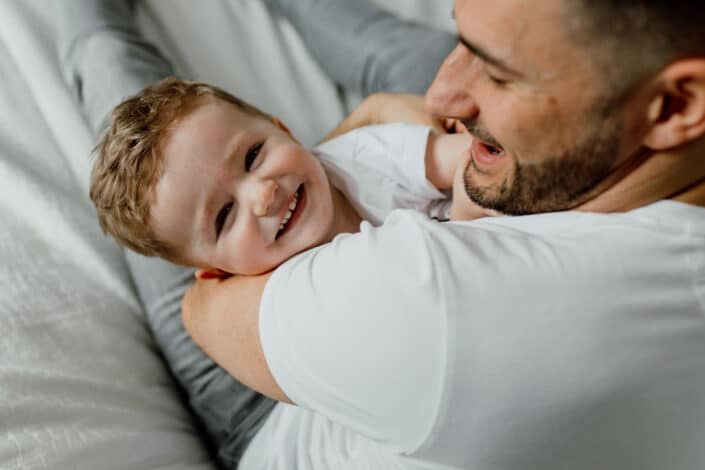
[[355, 344], [383, 167], [525, 341]]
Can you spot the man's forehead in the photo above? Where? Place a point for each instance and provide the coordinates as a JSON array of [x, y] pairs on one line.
[[523, 34], [515, 15]]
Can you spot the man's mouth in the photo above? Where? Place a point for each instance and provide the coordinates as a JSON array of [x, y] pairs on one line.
[[485, 155], [293, 212]]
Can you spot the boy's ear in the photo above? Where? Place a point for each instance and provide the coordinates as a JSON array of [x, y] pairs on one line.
[[676, 113], [282, 126], [211, 273]]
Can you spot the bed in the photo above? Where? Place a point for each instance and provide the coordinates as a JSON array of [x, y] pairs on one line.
[[82, 382]]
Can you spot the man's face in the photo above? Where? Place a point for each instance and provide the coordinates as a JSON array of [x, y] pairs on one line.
[[545, 130], [238, 193]]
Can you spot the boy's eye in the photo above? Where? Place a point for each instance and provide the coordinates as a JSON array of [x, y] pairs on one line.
[[220, 218], [251, 155]]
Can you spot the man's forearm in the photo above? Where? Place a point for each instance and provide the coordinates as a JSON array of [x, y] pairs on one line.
[[222, 317]]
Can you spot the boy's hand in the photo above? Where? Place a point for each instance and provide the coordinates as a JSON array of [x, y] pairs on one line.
[[211, 274], [463, 208], [443, 152]]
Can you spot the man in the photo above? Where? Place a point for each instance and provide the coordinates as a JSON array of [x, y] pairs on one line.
[[556, 340]]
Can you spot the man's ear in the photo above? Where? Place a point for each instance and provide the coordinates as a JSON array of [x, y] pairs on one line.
[[676, 113], [282, 126]]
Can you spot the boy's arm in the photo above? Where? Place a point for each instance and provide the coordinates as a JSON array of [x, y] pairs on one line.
[[381, 108], [446, 158], [444, 152], [222, 317]]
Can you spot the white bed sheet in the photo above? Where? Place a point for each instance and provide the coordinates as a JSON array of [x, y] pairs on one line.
[[81, 382]]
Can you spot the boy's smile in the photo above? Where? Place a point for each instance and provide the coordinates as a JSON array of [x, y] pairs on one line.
[[293, 211], [238, 193]]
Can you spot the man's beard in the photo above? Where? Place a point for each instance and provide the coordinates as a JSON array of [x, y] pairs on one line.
[[558, 182]]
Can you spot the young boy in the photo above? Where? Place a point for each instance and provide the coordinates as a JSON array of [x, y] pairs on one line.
[[194, 175]]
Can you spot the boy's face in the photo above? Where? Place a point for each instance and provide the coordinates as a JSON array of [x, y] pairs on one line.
[[238, 193]]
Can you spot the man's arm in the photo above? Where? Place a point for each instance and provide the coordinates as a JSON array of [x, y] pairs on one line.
[[336, 332], [222, 317]]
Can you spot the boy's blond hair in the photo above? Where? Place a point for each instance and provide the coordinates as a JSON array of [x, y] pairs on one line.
[[130, 162]]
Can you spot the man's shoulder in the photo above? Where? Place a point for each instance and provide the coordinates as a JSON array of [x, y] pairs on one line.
[[409, 233], [568, 249]]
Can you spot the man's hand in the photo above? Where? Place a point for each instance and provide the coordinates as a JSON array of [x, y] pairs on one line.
[[382, 108], [222, 317]]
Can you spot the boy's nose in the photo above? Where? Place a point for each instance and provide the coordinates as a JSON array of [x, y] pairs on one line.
[[263, 197]]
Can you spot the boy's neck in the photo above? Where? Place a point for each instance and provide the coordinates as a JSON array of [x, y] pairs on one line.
[[345, 217]]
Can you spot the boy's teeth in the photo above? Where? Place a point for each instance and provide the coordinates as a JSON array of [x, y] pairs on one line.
[[290, 212]]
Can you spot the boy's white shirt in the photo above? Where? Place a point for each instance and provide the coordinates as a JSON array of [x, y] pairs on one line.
[[498, 335], [382, 168]]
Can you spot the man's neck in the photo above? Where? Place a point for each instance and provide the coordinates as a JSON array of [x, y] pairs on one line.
[[678, 174]]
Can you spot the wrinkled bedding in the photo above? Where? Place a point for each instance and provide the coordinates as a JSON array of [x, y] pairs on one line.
[[82, 384]]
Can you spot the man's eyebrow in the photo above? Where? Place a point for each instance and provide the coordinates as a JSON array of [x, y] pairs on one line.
[[487, 57]]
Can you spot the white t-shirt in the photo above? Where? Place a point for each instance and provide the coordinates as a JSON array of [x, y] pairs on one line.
[[382, 168], [567, 340]]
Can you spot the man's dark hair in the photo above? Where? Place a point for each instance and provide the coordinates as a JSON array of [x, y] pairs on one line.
[[641, 36]]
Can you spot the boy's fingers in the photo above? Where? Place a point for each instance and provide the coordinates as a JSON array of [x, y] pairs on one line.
[[207, 274], [453, 126], [211, 274]]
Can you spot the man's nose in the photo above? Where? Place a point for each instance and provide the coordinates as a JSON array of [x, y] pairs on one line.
[[262, 194], [450, 94]]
